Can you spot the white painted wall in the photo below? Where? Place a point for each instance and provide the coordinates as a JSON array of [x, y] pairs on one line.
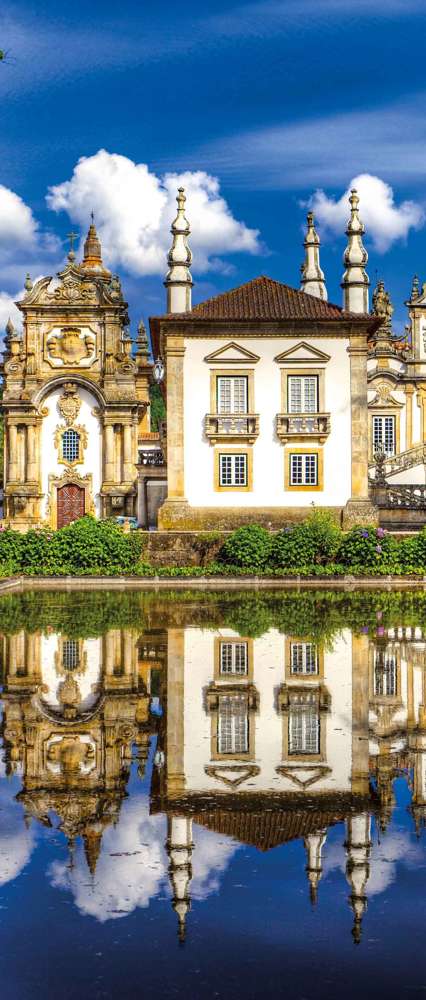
[[49, 453], [88, 676], [268, 452]]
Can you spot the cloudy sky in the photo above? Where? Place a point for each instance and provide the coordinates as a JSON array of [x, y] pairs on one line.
[[260, 108]]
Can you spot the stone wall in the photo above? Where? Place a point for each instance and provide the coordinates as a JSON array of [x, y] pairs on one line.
[[182, 548], [179, 516]]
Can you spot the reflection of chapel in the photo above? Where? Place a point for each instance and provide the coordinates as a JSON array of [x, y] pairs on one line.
[[75, 400]]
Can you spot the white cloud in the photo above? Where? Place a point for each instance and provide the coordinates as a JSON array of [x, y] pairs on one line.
[[385, 221], [8, 309], [18, 227], [396, 848], [134, 208]]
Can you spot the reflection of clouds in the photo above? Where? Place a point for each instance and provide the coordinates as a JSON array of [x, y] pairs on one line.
[[211, 857], [16, 842], [132, 868], [396, 847]]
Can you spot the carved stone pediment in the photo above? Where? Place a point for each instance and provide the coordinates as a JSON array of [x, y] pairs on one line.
[[69, 403], [384, 395], [70, 347]]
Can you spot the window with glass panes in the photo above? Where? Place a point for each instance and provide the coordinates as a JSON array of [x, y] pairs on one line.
[[232, 394], [303, 470], [232, 470], [303, 729], [70, 654], [385, 673], [303, 658], [70, 445], [384, 437], [232, 731], [302, 392], [233, 658]]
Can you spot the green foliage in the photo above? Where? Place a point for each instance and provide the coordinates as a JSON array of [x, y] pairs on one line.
[[314, 542], [86, 546], [369, 548], [158, 409], [249, 546]]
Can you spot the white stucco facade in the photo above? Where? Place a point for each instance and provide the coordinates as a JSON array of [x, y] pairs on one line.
[[91, 463]]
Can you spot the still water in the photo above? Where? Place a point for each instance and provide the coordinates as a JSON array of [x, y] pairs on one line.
[[213, 795]]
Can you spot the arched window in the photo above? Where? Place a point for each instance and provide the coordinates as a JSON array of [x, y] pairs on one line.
[[70, 445]]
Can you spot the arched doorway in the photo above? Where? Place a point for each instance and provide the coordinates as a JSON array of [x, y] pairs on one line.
[[70, 503]]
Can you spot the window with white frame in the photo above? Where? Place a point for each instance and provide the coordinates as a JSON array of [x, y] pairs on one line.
[[303, 658], [303, 470], [303, 730], [233, 724], [385, 673], [232, 394], [70, 445], [234, 658], [233, 470], [384, 436], [302, 392]]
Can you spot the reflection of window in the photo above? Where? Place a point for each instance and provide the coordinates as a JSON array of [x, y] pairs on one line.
[[232, 394], [70, 654], [232, 470], [303, 729], [302, 393], [303, 658], [232, 733], [384, 434], [70, 445], [233, 658], [303, 470], [385, 667]]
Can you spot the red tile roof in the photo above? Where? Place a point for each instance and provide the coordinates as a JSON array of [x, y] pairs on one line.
[[267, 828], [265, 299]]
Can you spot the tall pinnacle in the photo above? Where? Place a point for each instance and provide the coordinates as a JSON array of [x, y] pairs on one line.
[[312, 280], [355, 282], [92, 257], [178, 279]]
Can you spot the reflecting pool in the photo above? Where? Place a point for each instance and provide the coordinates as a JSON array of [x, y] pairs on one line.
[[213, 795]]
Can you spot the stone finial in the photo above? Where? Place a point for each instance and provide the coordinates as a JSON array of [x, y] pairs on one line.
[[314, 844], [312, 276], [92, 255], [178, 279], [10, 330], [358, 844], [179, 849], [355, 282], [28, 283], [415, 289], [382, 306]]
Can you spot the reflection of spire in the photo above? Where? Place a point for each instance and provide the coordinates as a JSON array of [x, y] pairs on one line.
[[92, 840], [355, 282], [358, 843], [179, 848], [314, 844], [178, 279], [312, 276]]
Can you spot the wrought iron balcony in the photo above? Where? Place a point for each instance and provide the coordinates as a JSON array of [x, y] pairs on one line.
[[303, 426], [220, 427]]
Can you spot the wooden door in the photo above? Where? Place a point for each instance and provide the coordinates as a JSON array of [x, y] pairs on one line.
[[70, 503]]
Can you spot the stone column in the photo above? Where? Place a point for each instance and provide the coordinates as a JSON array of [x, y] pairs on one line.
[[409, 392], [128, 464], [31, 454], [175, 712], [109, 452], [13, 452], [360, 706], [21, 461], [172, 513], [359, 509]]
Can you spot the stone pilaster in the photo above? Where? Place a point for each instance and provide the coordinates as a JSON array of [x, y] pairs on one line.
[[176, 504], [360, 705], [175, 712], [359, 509]]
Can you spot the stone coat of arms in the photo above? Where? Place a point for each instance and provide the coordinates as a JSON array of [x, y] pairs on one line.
[[70, 347]]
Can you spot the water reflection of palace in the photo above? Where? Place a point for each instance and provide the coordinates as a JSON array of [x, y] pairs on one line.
[[262, 740]]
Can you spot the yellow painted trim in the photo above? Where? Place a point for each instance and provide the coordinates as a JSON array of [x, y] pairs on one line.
[[320, 469], [385, 411], [289, 642], [215, 374], [320, 374], [233, 489], [230, 678]]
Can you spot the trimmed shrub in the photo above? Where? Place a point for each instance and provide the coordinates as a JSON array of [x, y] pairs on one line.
[[85, 546], [369, 548], [413, 553], [248, 547], [314, 542]]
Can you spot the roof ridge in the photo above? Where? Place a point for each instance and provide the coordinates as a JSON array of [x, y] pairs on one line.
[[258, 280]]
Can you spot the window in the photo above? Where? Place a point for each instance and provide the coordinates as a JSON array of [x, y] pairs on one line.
[[232, 394], [70, 654], [385, 672], [232, 733], [70, 445], [303, 658], [303, 470], [384, 436], [233, 470], [303, 729], [234, 658], [302, 393]]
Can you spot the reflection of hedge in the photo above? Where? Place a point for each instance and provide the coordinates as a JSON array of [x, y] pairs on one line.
[[320, 614]]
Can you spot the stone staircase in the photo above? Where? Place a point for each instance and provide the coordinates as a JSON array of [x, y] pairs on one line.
[[404, 460]]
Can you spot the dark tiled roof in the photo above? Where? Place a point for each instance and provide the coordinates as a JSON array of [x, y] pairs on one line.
[[268, 828], [265, 299]]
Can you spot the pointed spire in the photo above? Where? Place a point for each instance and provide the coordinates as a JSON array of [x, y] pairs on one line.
[[314, 844], [415, 289], [358, 844], [92, 840], [312, 276], [178, 279], [92, 257], [179, 848], [355, 282]]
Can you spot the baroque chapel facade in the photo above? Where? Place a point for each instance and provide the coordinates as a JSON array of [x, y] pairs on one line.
[[75, 399]]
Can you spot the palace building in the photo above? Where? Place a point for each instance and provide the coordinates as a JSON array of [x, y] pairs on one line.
[[276, 399]]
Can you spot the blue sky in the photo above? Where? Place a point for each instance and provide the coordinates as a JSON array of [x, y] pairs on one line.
[[257, 104]]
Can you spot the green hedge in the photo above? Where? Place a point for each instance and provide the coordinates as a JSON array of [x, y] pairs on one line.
[[84, 547]]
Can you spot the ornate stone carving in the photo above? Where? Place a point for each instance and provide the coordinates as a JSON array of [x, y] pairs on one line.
[[69, 403], [70, 347], [82, 433]]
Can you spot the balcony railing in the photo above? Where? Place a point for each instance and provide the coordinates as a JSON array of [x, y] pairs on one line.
[[228, 426], [303, 426]]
